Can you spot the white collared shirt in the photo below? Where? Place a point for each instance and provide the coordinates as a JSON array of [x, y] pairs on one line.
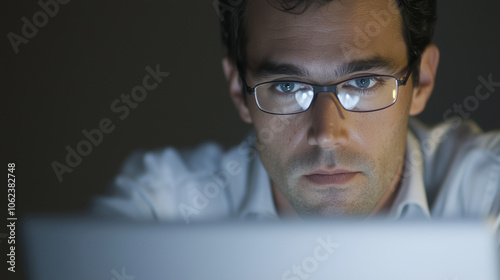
[[451, 170]]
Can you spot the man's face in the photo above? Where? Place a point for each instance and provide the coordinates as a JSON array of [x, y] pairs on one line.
[[328, 161]]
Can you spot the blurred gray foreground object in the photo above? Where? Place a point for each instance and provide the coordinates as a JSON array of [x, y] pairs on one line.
[[82, 248]]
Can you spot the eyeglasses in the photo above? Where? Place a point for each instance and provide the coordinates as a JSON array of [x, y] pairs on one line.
[[360, 94]]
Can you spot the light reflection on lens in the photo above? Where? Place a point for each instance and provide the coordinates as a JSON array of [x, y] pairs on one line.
[[304, 98], [347, 100]]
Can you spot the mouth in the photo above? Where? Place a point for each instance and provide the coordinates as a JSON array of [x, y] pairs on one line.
[[335, 177]]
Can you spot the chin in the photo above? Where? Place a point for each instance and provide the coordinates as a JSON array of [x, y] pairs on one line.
[[326, 211]]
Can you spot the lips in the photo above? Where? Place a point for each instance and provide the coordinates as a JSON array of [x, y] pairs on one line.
[[336, 177]]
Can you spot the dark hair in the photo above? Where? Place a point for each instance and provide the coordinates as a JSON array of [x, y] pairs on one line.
[[418, 18]]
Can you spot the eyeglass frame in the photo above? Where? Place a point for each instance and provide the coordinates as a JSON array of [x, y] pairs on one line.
[[332, 88]]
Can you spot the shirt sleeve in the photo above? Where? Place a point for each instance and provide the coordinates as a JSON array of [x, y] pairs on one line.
[[151, 185], [126, 197], [491, 142]]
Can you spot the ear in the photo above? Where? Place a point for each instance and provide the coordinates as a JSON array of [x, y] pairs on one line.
[[427, 78], [235, 88]]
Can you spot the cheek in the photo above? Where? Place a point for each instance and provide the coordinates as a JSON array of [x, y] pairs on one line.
[[382, 134], [271, 130], [278, 136], [276, 132]]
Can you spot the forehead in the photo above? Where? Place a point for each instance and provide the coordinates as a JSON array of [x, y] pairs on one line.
[[324, 36]]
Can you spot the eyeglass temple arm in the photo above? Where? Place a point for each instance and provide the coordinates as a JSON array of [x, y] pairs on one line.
[[413, 64]]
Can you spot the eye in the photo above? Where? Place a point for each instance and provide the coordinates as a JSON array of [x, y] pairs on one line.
[[287, 87], [362, 83]]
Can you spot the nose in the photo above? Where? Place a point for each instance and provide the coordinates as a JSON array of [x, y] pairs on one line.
[[327, 124]]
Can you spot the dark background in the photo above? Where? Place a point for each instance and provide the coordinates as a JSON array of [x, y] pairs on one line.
[[65, 78]]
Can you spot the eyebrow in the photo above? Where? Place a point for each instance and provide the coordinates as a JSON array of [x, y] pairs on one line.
[[270, 69]]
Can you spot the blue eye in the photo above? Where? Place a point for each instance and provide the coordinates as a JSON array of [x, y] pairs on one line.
[[287, 87], [362, 83]]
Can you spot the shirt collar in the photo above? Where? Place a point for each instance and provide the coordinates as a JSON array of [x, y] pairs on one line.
[[411, 200], [259, 202]]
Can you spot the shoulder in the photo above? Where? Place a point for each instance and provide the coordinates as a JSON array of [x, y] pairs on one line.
[[455, 137], [172, 163], [169, 183], [461, 167]]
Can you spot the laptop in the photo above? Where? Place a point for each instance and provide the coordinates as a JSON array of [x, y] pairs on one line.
[[89, 248]]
